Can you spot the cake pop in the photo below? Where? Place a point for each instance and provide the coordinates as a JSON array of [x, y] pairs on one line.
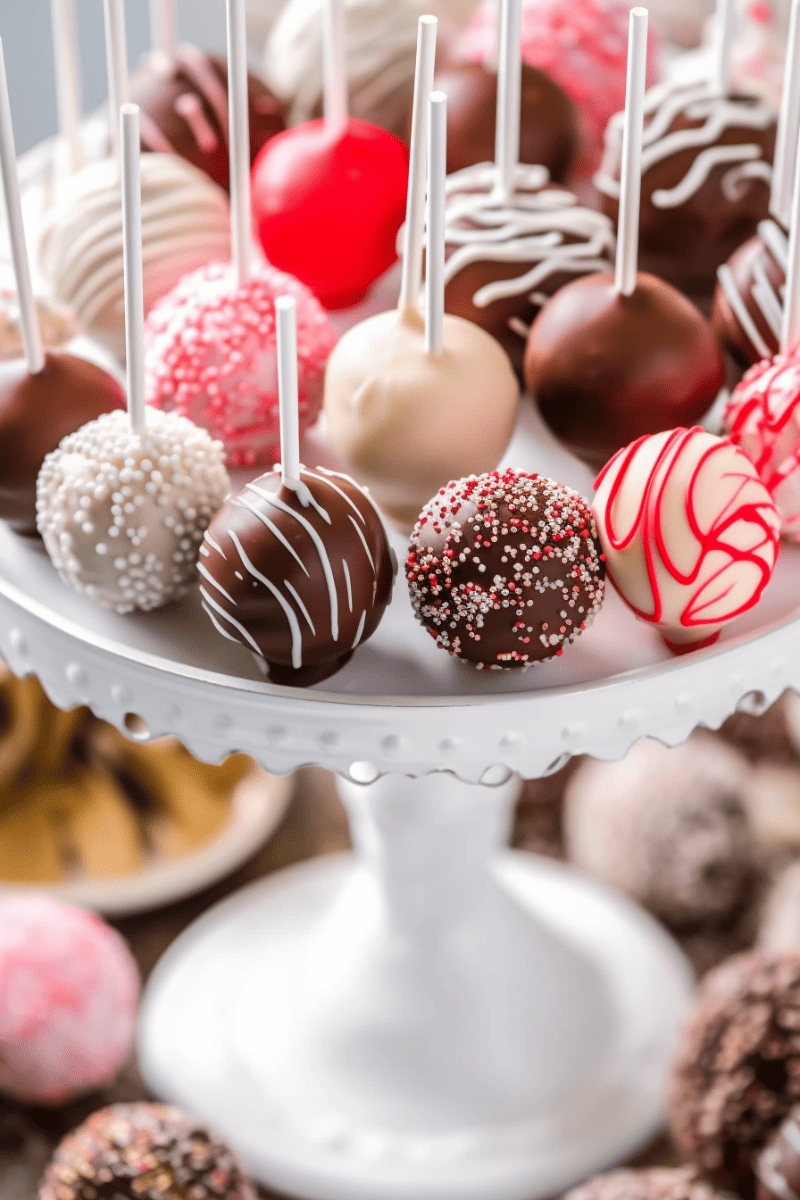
[[763, 418], [613, 356], [123, 503], [144, 1151], [185, 223], [651, 1183], [736, 1075], [581, 45], [668, 827], [68, 994], [689, 532], [310, 181], [56, 323], [296, 566], [413, 403], [182, 94], [505, 570], [44, 395]]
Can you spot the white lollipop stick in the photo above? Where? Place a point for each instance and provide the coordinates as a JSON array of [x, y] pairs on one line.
[[116, 64], [68, 79], [434, 247], [162, 26], [29, 319], [790, 333], [132, 262], [788, 124], [334, 101], [239, 138], [630, 183], [722, 46], [286, 334], [509, 90], [414, 233]]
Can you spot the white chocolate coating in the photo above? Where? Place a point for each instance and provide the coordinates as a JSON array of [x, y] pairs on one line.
[[185, 224], [122, 516], [689, 531], [663, 104], [405, 423]]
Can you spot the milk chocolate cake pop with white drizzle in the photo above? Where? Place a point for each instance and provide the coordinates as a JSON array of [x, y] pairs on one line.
[[706, 172]]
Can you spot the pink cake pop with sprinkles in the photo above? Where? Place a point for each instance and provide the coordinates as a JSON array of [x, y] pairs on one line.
[[68, 994], [210, 344], [582, 45]]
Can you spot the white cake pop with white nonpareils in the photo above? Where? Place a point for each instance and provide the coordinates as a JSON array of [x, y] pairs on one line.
[[123, 515]]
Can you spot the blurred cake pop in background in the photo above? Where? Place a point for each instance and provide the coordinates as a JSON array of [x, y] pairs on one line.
[[56, 322], [648, 1183], [748, 300], [581, 45]]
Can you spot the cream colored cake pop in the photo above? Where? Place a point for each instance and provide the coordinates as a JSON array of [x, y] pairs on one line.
[[413, 403]]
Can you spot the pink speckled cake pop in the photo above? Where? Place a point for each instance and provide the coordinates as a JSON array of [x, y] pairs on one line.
[[210, 356], [582, 45], [763, 417], [68, 994]]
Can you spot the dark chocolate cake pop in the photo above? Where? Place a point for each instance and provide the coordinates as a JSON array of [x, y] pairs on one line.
[[747, 311], [301, 577], [549, 126], [737, 1071], [183, 102], [506, 256], [505, 569], [654, 1183], [778, 1165], [606, 368], [706, 170], [36, 412], [144, 1152]]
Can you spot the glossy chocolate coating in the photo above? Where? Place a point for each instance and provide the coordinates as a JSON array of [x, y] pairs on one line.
[[505, 569], [164, 86], [606, 369], [686, 243], [549, 128], [328, 565], [36, 412], [753, 258]]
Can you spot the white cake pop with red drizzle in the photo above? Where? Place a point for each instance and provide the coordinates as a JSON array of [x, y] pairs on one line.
[[210, 355], [689, 532], [123, 503]]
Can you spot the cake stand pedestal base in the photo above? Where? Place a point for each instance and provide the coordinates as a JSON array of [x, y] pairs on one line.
[[431, 1019]]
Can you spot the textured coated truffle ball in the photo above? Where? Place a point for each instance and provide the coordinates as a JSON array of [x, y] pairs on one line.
[[505, 569], [737, 1071], [144, 1152]]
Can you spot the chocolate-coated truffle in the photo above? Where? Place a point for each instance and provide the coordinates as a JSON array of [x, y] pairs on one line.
[[549, 124], [737, 1071], [505, 569], [654, 1183], [300, 576], [778, 1165], [606, 369], [144, 1152], [706, 171], [183, 102], [747, 311], [36, 412]]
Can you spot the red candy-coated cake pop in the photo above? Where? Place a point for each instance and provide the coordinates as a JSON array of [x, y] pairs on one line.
[[689, 532], [763, 417], [210, 356], [328, 202], [606, 368]]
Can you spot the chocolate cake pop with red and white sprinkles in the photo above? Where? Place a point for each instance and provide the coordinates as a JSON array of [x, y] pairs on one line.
[[301, 575], [122, 514], [144, 1151], [505, 569], [210, 356]]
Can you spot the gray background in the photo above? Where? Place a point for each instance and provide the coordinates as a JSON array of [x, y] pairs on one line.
[[25, 30]]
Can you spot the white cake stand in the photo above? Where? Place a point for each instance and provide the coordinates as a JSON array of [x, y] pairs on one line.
[[433, 1018]]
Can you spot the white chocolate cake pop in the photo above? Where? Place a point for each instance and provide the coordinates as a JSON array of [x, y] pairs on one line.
[[689, 532], [122, 515]]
